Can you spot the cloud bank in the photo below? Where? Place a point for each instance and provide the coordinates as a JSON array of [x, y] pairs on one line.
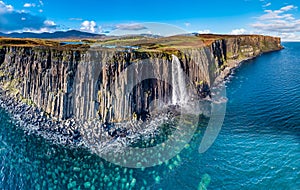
[[88, 26], [15, 20], [238, 31], [131, 26], [280, 22]]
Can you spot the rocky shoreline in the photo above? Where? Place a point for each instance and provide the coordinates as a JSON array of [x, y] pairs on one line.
[[232, 66], [50, 75], [67, 132], [34, 120]]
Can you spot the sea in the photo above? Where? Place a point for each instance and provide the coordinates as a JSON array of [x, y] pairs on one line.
[[258, 146]]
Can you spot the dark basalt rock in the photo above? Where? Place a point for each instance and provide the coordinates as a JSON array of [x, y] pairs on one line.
[[69, 87]]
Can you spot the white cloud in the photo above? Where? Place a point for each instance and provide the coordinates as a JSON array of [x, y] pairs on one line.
[[9, 8], [27, 5], [41, 2], [238, 31], [187, 24], [271, 15], [267, 5], [41, 30], [149, 32], [100, 29], [41, 10], [88, 26], [287, 8], [76, 19], [290, 36], [49, 23], [278, 14], [19, 20], [131, 26], [278, 21], [206, 31], [281, 22], [5, 8]]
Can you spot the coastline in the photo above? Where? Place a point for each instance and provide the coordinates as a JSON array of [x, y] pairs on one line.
[[33, 120], [71, 132], [232, 65], [67, 132]]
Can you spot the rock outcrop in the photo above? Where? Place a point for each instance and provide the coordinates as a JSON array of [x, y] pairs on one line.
[[118, 85]]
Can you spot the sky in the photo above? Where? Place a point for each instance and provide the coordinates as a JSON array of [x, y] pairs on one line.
[[113, 17]]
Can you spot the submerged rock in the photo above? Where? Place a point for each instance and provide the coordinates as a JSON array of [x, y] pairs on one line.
[[72, 184], [87, 185], [205, 181]]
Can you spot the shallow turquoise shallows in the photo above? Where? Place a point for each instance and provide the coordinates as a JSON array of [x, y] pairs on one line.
[[257, 148]]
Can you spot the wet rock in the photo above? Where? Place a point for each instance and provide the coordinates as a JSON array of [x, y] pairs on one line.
[[76, 169], [59, 82]]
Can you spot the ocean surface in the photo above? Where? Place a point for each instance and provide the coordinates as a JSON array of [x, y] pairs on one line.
[[257, 148]]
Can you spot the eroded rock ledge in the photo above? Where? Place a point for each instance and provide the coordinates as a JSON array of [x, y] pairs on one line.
[[92, 83]]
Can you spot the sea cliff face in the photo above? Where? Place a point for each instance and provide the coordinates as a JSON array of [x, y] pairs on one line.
[[106, 84]]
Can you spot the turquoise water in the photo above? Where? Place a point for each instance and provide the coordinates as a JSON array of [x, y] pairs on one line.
[[257, 148]]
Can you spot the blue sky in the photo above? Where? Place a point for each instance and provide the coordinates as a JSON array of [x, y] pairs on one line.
[[270, 17]]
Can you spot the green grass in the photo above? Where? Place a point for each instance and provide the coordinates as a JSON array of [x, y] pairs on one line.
[[27, 42], [170, 44]]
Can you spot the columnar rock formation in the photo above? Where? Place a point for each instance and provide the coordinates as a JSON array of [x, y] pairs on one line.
[[116, 86]]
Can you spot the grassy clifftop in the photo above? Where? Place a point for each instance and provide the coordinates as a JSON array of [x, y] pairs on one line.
[[139, 43]]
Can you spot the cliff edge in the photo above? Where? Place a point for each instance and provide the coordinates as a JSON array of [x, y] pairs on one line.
[[99, 80]]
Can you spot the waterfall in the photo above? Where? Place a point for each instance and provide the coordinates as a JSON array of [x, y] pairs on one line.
[[179, 91]]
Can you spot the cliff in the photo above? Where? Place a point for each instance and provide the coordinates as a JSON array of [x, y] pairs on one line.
[[121, 84]]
